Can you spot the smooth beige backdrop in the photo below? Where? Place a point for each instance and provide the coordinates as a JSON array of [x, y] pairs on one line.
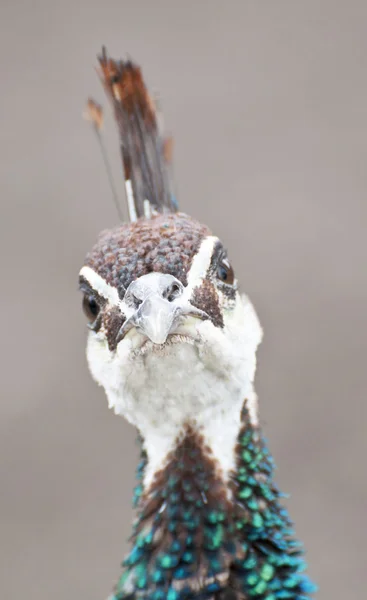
[[267, 102]]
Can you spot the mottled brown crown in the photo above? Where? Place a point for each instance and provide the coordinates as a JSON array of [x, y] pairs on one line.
[[166, 243]]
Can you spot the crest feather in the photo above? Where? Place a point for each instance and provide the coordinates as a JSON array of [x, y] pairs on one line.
[[146, 153]]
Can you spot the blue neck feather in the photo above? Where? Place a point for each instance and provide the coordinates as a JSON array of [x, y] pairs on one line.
[[191, 542]]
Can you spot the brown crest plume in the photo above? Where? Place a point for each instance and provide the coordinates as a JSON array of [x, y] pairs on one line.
[[146, 154], [94, 114]]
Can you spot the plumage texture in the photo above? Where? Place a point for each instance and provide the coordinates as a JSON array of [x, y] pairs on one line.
[[191, 542], [165, 243]]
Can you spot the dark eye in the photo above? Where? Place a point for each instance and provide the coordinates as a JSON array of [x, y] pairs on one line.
[[90, 307], [225, 272]]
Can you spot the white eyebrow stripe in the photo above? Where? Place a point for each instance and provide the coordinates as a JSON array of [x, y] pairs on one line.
[[100, 286], [201, 262]]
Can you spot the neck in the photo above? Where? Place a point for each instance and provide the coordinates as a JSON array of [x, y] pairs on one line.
[[213, 430], [209, 521], [206, 398]]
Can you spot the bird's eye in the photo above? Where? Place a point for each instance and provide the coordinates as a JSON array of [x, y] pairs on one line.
[[225, 272], [91, 307]]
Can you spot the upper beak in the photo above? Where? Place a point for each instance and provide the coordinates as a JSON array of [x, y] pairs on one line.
[[156, 318], [156, 303]]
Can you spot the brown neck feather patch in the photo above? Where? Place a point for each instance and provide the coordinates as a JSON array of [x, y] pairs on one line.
[[183, 534]]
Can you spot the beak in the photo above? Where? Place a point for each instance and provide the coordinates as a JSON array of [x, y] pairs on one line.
[[156, 302], [156, 318]]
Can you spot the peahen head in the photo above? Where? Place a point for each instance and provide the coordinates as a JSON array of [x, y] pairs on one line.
[[171, 339], [173, 343]]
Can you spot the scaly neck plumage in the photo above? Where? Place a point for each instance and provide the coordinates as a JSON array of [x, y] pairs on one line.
[[200, 536]]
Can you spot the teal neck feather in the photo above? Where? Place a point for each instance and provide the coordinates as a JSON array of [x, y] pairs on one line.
[[195, 539]]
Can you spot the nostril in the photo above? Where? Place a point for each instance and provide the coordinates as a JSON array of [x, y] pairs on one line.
[[136, 301], [173, 291], [132, 299]]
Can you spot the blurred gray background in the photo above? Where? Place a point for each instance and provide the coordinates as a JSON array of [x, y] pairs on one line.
[[267, 103]]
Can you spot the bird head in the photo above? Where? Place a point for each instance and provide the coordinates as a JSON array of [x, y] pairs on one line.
[[168, 327]]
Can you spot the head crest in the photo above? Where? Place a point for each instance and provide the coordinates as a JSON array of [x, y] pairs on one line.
[[146, 153]]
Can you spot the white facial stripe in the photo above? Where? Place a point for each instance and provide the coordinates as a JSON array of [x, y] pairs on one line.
[[201, 262], [101, 286]]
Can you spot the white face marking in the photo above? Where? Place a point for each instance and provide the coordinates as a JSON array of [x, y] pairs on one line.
[[204, 380], [101, 286], [201, 263]]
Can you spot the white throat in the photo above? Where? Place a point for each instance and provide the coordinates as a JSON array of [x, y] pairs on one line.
[[203, 384]]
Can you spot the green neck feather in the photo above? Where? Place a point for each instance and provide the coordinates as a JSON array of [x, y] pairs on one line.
[[195, 538]]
